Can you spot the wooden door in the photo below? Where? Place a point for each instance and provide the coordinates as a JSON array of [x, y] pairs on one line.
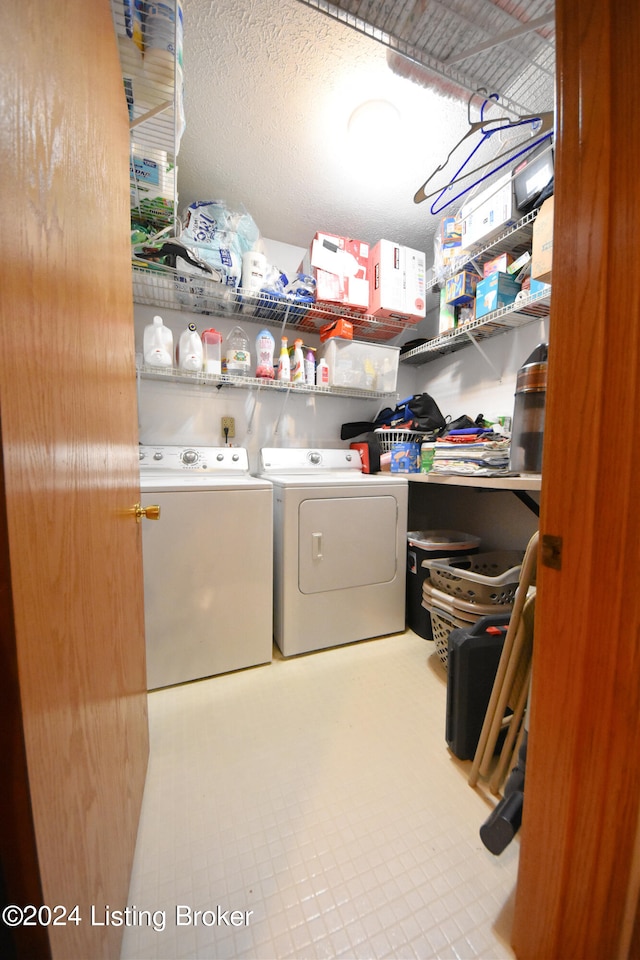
[[74, 735], [579, 876]]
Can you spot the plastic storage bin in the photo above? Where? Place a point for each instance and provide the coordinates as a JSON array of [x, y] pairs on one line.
[[429, 545], [365, 366]]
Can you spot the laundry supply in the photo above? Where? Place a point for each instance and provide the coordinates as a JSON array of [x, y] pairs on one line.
[[163, 51], [254, 268], [157, 345], [322, 373], [297, 371], [189, 352], [212, 351], [238, 355], [284, 364], [310, 367], [265, 345]]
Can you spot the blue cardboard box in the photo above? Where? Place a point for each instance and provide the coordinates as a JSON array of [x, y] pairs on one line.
[[461, 288], [495, 291]]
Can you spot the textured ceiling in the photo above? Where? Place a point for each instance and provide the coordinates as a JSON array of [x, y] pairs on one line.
[[270, 87]]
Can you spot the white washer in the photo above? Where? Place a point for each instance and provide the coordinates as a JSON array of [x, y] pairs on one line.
[[339, 548], [208, 563]]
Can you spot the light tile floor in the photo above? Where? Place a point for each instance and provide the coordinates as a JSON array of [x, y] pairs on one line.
[[316, 797]]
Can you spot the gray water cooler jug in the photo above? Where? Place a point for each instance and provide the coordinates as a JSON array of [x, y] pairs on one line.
[[528, 414]]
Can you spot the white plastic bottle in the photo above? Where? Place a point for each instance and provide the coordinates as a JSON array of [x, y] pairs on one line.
[[238, 354], [310, 367], [297, 371], [322, 373], [189, 353], [284, 365], [265, 345], [157, 346]]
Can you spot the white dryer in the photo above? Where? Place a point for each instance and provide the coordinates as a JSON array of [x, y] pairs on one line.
[[340, 543], [207, 563]]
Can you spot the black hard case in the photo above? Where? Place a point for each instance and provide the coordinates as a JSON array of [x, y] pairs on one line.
[[472, 664]]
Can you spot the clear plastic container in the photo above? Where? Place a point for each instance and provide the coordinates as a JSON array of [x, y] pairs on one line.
[[212, 351], [238, 355]]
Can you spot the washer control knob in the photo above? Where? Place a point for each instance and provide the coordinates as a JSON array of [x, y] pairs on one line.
[[220, 456], [348, 458], [189, 456], [141, 455], [158, 455], [315, 457], [235, 457]]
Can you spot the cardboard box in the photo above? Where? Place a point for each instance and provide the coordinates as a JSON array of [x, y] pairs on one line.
[[489, 213], [542, 250], [397, 282], [450, 232], [339, 327], [340, 267], [523, 261], [499, 264], [537, 286], [497, 290], [461, 288], [446, 314], [366, 366]]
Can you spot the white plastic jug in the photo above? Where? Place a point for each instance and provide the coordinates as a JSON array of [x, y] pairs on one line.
[[157, 345], [189, 353]]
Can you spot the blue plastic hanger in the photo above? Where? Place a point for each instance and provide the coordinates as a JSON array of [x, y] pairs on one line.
[[543, 121]]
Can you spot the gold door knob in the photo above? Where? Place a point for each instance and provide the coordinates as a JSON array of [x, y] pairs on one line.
[[151, 512]]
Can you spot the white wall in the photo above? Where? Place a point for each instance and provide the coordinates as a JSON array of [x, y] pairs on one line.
[[189, 413]]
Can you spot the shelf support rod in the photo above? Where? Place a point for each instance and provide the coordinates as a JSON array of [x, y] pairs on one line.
[[150, 114], [253, 410], [484, 355], [281, 414]]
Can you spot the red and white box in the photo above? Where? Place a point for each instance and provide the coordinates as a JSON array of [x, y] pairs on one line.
[[397, 282], [340, 267]]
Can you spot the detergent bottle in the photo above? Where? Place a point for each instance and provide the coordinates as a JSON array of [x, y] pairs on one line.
[[157, 345], [297, 372], [310, 367], [189, 352], [322, 373], [265, 345], [284, 366]]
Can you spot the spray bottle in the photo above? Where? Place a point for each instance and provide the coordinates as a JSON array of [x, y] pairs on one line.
[[158, 344], [297, 373], [284, 366]]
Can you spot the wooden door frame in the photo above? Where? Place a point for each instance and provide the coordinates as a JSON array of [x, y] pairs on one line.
[[577, 894]]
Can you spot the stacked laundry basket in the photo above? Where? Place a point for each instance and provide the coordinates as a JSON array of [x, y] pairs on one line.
[[458, 591]]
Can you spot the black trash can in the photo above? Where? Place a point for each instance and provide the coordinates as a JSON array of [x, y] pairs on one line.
[[430, 545]]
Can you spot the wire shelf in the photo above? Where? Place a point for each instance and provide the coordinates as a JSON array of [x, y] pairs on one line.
[[167, 287], [535, 306], [173, 375], [515, 239]]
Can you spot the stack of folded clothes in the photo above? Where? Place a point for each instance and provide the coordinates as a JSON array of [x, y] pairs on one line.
[[478, 452]]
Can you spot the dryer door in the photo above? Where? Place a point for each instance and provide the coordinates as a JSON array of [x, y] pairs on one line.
[[346, 542]]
